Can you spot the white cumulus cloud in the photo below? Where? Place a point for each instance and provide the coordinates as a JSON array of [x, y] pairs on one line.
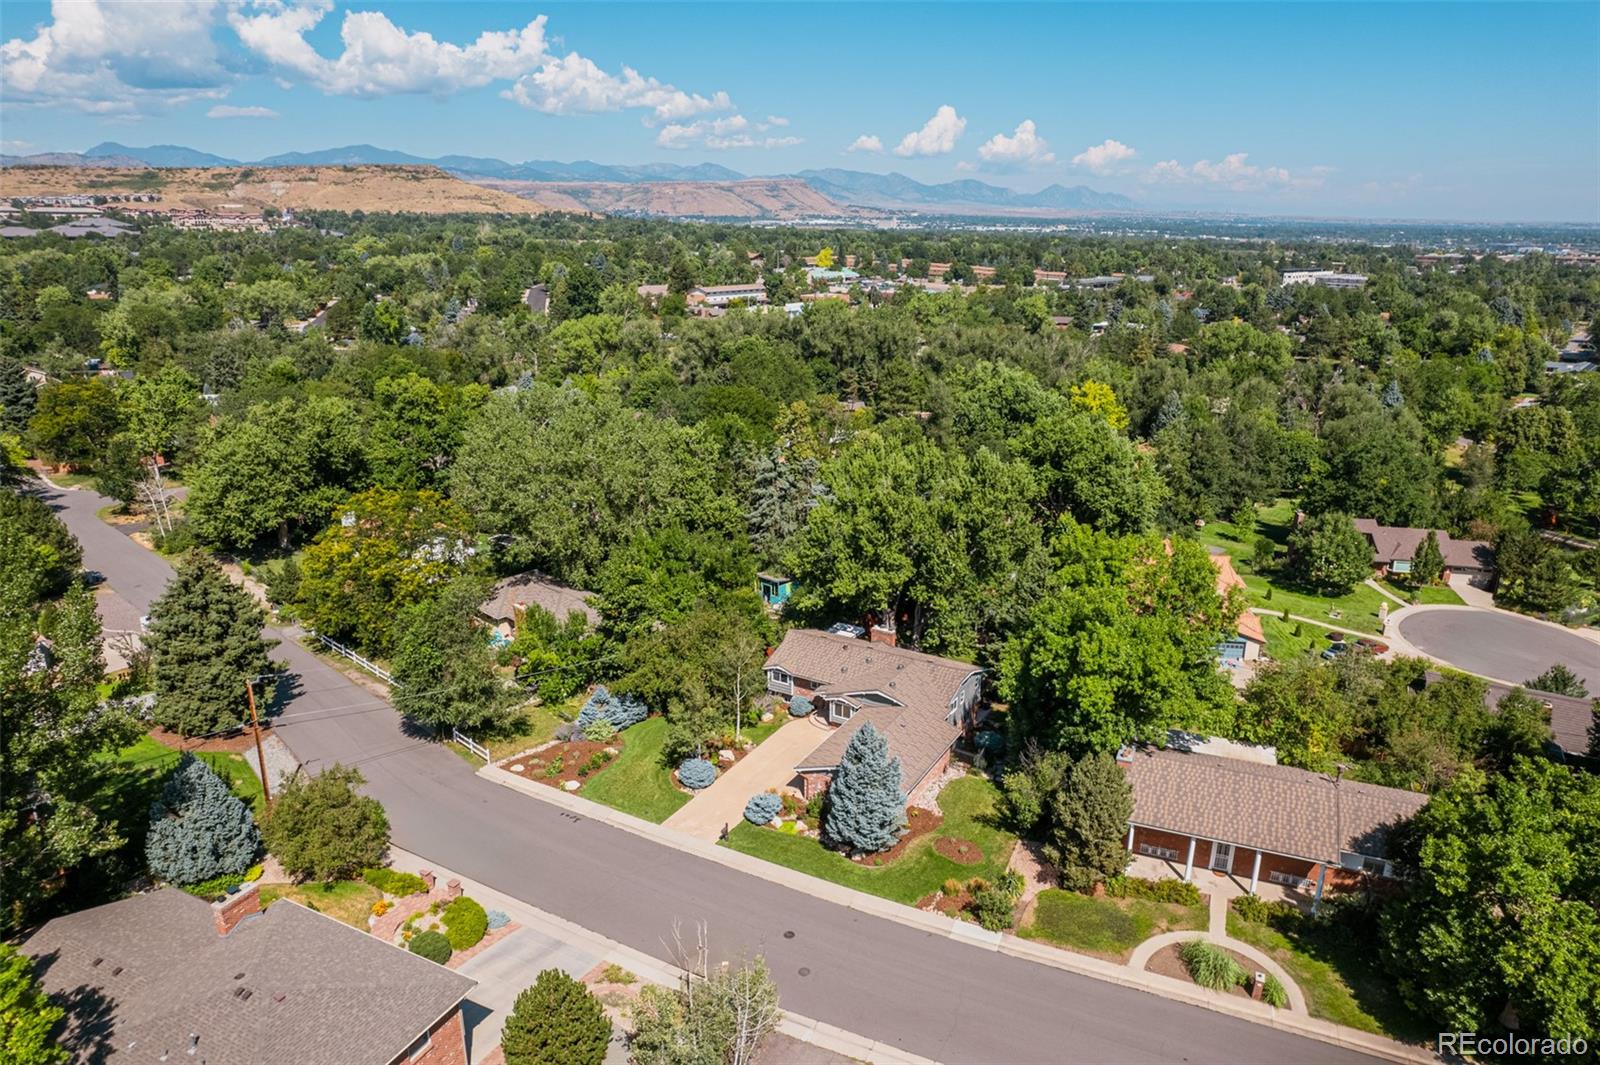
[[1234, 172], [116, 58], [1103, 158], [867, 142], [938, 135], [230, 111], [733, 131], [574, 84], [1023, 148]]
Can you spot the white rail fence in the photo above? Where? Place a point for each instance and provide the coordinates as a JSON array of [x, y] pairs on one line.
[[340, 649], [466, 741]]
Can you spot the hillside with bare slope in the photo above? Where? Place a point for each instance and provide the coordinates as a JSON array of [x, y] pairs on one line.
[[772, 198], [244, 189]]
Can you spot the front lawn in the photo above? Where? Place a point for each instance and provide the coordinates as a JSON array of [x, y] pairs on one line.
[[349, 901], [968, 805], [637, 782], [1283, 644], [1338, 972], [1428, 594], [1106, 927], [138, 771]]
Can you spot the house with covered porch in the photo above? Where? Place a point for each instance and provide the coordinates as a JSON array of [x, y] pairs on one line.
[[1238, 813], [921, 703]]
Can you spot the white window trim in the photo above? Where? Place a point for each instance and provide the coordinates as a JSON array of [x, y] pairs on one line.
[[1150, 850]]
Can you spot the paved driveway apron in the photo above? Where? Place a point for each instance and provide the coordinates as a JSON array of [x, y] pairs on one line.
[[928, 994]]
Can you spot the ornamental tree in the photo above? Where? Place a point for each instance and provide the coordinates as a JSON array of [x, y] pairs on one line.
[[323, 829], [198, 828], [1328, 552], [1427, 562], [557, 1021], [866, 810], [1089, 821], [204, 641]]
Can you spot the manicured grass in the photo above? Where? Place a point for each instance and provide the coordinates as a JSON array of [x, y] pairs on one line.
[[143, 766], [1340, 977], [1431, 594], [1283, 644], [349, 901], [968, 805], [1107, 927], [531, 726], [637, 782]]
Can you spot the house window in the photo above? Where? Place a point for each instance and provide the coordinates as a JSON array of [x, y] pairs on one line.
[[1366, 864], [1164, 853], [779, 681], [1287, 879]]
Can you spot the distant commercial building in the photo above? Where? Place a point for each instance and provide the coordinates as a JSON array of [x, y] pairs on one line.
[[1325, 278], [723, 295]]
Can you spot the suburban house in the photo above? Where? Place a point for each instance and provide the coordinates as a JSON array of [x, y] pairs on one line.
[[511, 596], [921, 703], [1393, 547], [168, 977], [1571, 718], [1249, 638], [774, 589], [1212, 804]]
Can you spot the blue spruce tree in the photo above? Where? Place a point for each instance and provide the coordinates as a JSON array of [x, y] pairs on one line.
[[865, 808], [198, 829]]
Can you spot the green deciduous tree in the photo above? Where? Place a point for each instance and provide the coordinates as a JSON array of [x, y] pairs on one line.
[[1122, 646], [205, 642], [1297, 707], [321, 828], [1089, 823], [1090, 470], [557, 1021], [866, 810], [52, 553], [717, 1016], [1503, 910], [28, 1019], [385, 551], [443, 663], [73, 421], [198, 828], [1327, 552]]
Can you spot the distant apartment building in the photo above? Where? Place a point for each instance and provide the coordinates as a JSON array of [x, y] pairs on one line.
[[1325, 278], [754, 292]]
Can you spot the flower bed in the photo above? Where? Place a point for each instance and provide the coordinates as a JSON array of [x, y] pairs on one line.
[[560, 762], [919, 823]]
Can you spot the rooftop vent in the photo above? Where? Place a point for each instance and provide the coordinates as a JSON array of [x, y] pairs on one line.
[[96, 963]]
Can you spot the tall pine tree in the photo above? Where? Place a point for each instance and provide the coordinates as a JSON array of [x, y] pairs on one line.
[[198, 828], [1427, 563], [17, 396], [204, 640], [865, 808], [1090, 821]]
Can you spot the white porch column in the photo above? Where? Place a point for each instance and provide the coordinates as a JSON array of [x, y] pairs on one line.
[[1255, 872], [1322, 875], [1188, 865], [1130, 839]]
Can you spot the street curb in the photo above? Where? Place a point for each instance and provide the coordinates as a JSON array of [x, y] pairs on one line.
[[665, 974], [966, 932]]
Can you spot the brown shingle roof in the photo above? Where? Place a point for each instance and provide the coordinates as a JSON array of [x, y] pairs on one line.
[[1394, 543], [320, 992], [1248, 623], [1570, 718], [924, 685], [534, 589], [1273, 808]]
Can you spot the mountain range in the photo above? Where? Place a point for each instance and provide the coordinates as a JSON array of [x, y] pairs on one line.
[[893, 191]]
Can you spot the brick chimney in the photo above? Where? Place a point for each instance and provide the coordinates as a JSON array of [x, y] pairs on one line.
[[882, 632], [232, 909]]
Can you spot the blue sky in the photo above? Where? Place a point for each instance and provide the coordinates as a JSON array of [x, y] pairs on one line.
[[1475, 111]]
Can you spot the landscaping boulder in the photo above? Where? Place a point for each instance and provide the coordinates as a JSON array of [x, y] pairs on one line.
[[570, 785], [766, 716], [724, 755]]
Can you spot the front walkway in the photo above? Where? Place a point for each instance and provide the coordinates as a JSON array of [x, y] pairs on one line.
[[769, 766]]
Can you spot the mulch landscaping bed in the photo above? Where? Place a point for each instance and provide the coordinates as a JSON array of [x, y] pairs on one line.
[[574, 756], [949, 905], [919, 822], [1168, 962], [960, 851], [233, 743]]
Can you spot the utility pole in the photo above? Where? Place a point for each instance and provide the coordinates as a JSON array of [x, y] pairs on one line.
[[261, 757]]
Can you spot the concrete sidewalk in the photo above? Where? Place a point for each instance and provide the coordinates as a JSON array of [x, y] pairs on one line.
[[969, 933], [570, 945], [770, 765]]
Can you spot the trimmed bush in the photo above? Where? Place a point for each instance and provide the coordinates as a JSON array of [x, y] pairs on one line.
[[557, 1021], [1211, 967], [394, 882], [761, 809], [599, 730], [994, 905], [1135, 887], [431, 945], [621, 711], [219, 886], [696, 773], [799, 706], [465, 922], [1259, 910], [498, 919], [1273, 993]]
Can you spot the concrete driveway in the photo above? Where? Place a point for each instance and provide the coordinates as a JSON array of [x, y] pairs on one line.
[[770, 765], [503, 971], [1499, 645]]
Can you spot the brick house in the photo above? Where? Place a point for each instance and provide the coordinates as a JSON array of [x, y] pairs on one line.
[[1242, 814], [1393, 547], [921, 703], [166, 976]]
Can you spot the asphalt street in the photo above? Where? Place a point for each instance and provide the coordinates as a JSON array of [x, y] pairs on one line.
[[925, 993], [1500, 645]]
